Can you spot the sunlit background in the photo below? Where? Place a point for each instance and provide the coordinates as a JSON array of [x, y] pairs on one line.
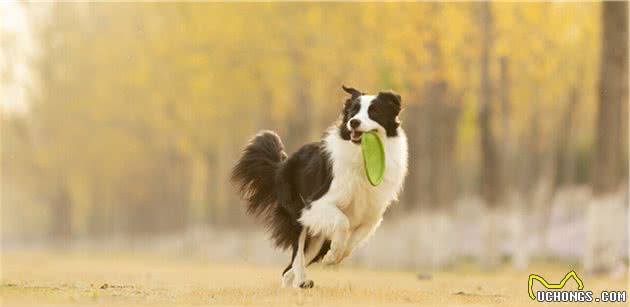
[[120, 123]]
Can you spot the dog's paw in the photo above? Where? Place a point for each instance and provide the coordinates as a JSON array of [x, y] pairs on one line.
[[346, 254], [328, 258], [287, 279], [307, 284], [332, 257]]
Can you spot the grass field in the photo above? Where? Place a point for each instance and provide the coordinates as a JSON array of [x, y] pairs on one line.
[[53, 278]]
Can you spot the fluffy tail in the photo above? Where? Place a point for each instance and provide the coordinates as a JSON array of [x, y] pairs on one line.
[[258, 176], [254, 173]]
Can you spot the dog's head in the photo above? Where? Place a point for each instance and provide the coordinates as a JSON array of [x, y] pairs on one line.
[[362, 113]]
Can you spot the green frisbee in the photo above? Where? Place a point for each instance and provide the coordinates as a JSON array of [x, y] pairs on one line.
[[373, 157]]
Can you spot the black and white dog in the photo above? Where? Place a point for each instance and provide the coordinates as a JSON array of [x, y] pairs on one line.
[[318, 201]]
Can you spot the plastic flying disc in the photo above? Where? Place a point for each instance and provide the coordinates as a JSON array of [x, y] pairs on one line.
[[373, 157]]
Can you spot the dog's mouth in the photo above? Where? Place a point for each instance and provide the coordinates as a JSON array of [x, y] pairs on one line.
[[355, 136]]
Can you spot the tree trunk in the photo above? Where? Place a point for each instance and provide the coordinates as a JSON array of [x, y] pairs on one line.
[[444, 109], [491, 186], [506, 108], [550, 179], [613, 91], [604, 244], [563, 165], [519, 231], [412, 192]]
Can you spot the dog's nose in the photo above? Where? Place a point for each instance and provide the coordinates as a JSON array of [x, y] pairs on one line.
[[354, 123]]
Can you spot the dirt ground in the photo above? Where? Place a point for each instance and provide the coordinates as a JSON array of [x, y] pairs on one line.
[[55, 278]]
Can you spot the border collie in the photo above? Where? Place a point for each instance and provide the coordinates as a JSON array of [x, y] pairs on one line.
[[318, 201]]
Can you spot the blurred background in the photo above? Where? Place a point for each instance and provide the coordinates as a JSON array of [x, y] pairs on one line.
[[120, 123]]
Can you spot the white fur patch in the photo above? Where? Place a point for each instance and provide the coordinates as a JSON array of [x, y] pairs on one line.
[[324, 219]]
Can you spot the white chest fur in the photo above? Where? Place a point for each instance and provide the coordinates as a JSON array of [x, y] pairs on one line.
[[355, 196]]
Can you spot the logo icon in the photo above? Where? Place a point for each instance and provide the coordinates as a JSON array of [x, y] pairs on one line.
[[547, 285]]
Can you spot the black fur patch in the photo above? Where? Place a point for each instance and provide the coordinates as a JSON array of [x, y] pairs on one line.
[[350, 109], [277, 188], [384, 110]]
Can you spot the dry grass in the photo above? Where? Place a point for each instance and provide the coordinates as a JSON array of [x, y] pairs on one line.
[[51, 278]]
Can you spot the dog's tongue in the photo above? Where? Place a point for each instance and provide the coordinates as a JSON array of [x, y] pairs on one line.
[[356, 135]]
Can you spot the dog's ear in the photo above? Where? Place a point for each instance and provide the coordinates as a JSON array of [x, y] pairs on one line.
[[391, 96], [352, 91]]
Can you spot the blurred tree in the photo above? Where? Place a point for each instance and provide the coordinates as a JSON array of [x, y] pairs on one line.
[[613, 92], [604, 223], [492, 189], [432, 130]]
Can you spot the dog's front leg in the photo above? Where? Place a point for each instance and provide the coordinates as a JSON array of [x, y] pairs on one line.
[[360, 234], [326, 219], [338, 245]]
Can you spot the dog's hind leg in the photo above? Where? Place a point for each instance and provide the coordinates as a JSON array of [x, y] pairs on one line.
[[313, 247], [323, 250], [287, 274], [312, 251], [299, 265]]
